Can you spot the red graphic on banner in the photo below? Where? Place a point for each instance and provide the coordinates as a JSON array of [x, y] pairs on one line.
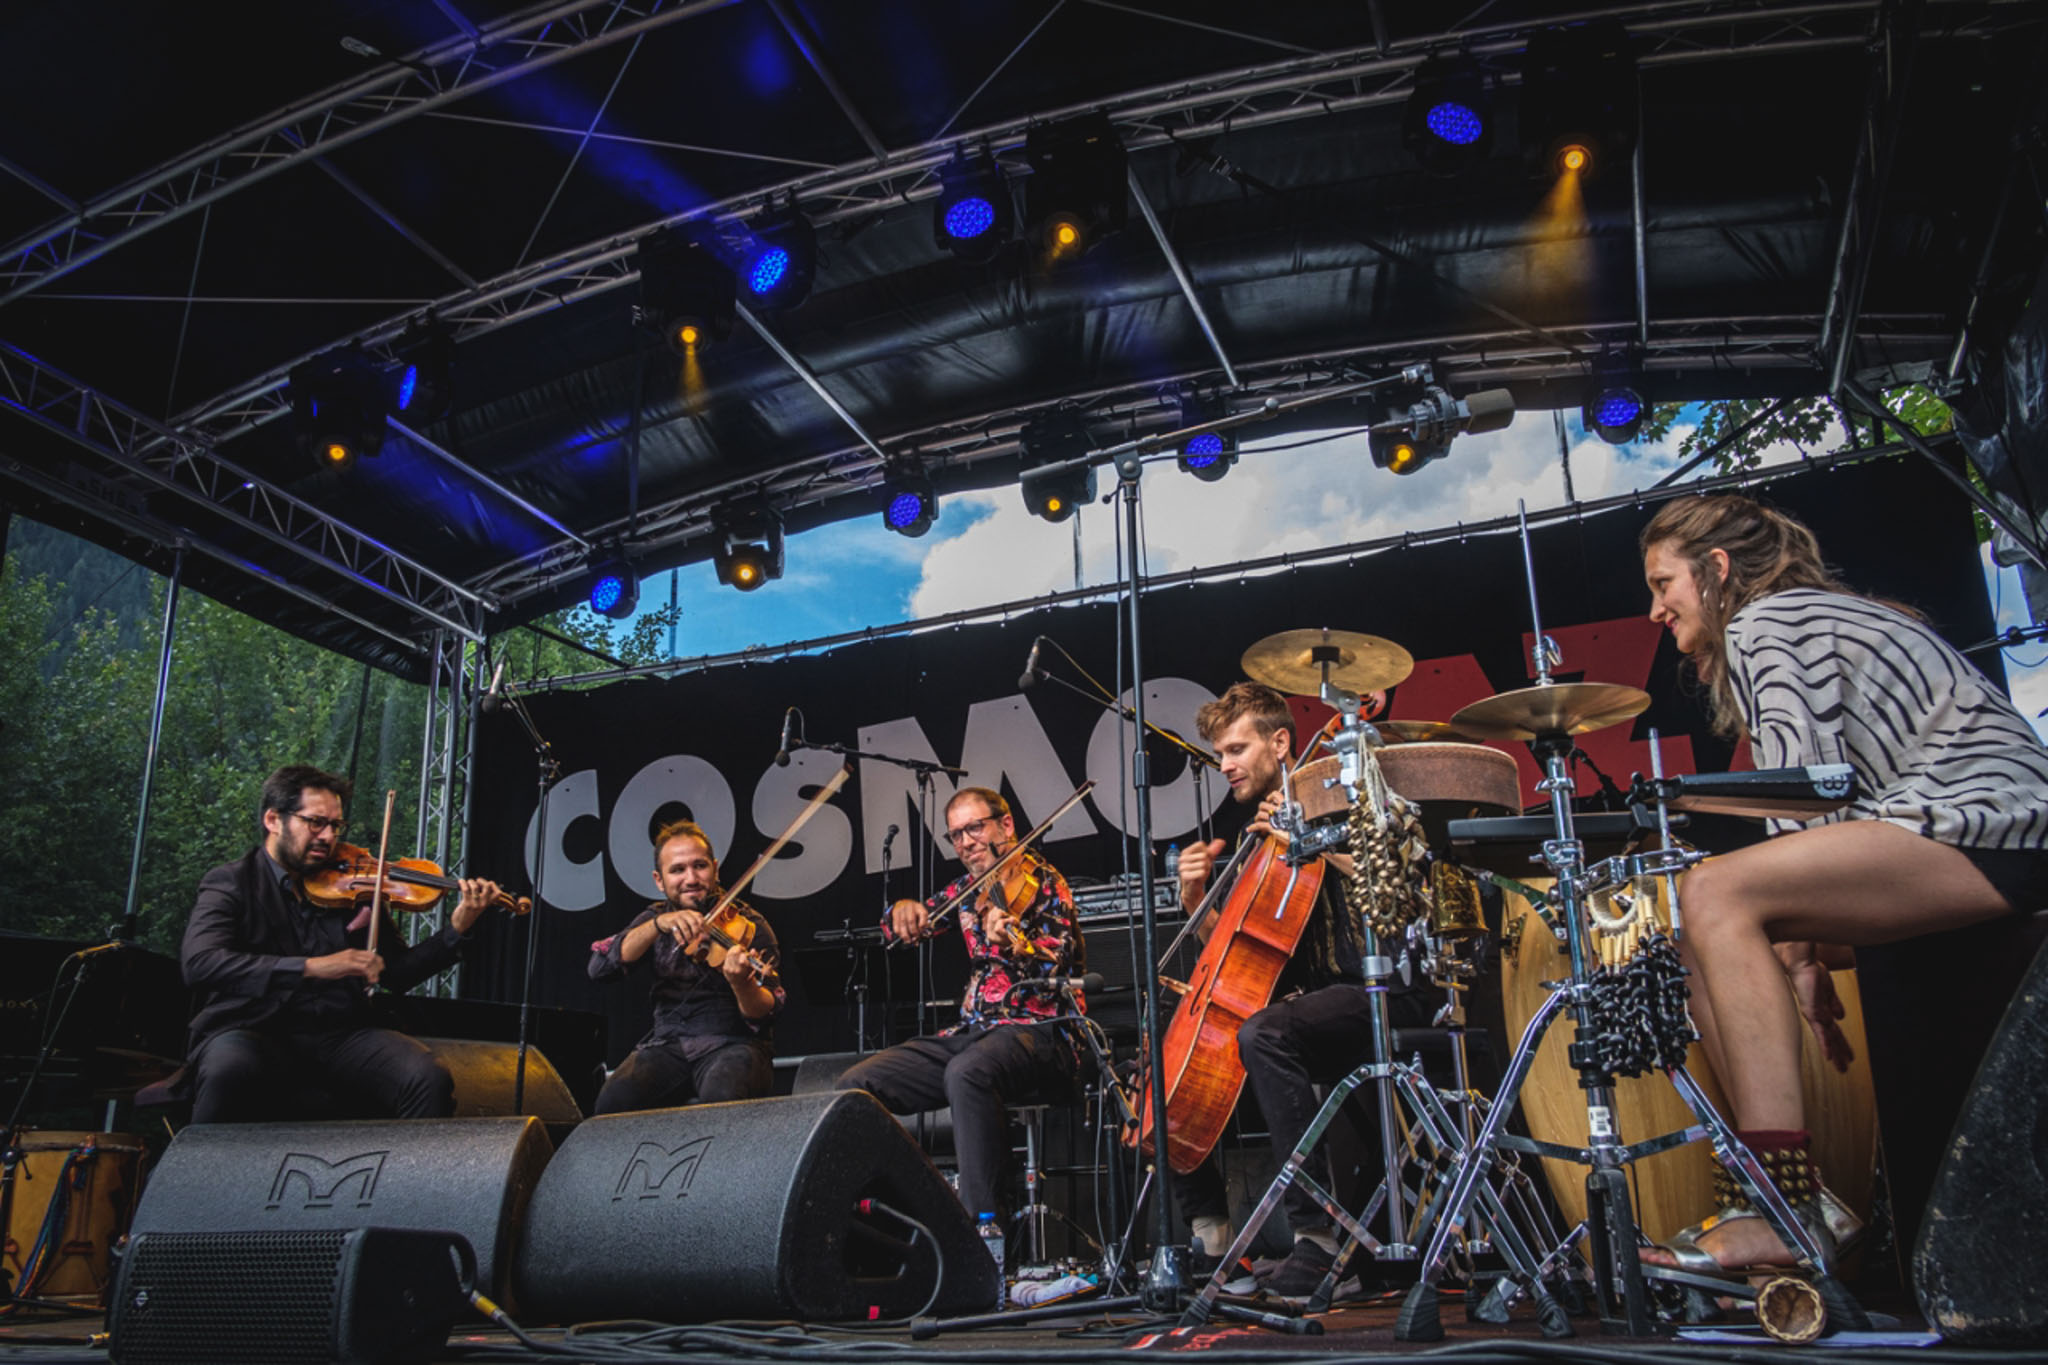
[[1617, 651]]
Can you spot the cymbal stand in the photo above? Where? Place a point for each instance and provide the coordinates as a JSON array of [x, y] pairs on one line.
[[1432, 1137]]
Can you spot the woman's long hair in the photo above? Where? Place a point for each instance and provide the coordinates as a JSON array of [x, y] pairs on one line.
[[1767, 552]]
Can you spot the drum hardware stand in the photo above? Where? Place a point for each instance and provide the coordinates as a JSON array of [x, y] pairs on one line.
[[1610, 1226], [1446, 1137]]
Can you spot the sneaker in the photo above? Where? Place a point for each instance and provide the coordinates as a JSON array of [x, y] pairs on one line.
[[1202, 1267], [1297, 1278]]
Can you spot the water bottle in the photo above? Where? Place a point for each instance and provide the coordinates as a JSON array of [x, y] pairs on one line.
[[992, 1237], [1172, 862]]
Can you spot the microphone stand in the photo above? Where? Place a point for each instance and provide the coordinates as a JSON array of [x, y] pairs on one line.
[[924, 770], [1197, 756], [549, 772]]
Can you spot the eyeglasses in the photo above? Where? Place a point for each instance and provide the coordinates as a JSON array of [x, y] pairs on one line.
[[976, 829], [320, 824]]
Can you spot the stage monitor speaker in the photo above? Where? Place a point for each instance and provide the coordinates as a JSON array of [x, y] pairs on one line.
[[351, 1296], [1984, 1239], [472, 1177], [763, 1209], [486, 1074]]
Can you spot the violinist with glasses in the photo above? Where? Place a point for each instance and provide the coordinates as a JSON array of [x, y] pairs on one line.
[[282, 977], [715, 991], [1022, 939]]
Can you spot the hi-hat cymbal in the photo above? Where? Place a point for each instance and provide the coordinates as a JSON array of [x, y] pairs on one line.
[[1551, 709], [1419, 731], [1293, 661]]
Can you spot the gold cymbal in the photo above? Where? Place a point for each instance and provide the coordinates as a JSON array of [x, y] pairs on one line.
[[1293, 661], [1418, 731], [1551, 709]]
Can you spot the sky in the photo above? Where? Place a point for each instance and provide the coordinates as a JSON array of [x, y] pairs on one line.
[[1283, 496]]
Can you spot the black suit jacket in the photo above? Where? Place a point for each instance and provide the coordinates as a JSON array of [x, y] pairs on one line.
[[246, 946]]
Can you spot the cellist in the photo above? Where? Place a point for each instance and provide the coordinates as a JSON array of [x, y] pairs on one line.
[[1318, 1028], [1021, 938]]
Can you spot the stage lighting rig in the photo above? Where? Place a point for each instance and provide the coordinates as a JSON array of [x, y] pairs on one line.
[[1078, 192], [1056, 482], [686, 293], [1616, 400], [1448, 123], [339, 403], [614, 589], [423, 385], [973, 217], [1579, 100], [1209, 455], [1411, 438], [781, 259], [909, 506], [749, 550]]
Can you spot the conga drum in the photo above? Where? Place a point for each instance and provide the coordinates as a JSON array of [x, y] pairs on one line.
[[1674, 1189], [73, 1197]]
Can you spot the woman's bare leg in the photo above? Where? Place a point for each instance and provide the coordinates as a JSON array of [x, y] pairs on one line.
[[1861, 882]]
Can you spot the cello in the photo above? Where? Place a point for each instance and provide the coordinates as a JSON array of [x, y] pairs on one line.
[[1255, 934]]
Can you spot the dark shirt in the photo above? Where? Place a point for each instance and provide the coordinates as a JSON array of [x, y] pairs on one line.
[[692, 999], [246, 946], [1007, 984]]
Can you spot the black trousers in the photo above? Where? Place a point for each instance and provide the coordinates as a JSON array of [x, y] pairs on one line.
[[1288, 1048], [247, 1075], [658, 1076], [980, 1074]]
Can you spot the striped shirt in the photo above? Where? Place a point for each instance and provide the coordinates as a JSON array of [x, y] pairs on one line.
[[1823, 677]]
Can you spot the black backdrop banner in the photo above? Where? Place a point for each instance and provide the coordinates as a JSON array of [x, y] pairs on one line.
[[640, 752]]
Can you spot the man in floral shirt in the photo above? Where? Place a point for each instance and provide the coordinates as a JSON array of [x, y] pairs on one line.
[[1021, 938], [713, 1036]]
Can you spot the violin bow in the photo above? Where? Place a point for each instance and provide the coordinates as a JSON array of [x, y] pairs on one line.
[[803, 816], [982, 879], [377, 896]]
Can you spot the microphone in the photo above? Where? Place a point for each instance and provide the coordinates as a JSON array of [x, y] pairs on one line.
[[494, 695], [1031, 672], [788, 723], [1090, 982], [888, 839]]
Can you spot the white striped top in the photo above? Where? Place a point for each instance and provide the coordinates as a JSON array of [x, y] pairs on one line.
[[1822, 677]]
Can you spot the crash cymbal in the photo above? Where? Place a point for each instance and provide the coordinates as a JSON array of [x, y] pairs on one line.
[[1293, 661], [1551, 709], [1420, 731]]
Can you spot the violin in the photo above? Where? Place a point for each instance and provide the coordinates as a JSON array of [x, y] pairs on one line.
[[1013, 891], [727, 930], [408, 883]]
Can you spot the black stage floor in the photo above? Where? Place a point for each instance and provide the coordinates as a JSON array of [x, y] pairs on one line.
[[1363, 1328]]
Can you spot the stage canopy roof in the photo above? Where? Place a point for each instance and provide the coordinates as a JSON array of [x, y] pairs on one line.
[[198, 198]]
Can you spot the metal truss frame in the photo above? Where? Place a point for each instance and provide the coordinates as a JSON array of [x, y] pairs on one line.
[[446, 734], [1316, 86], [1734, 344], [453, 69], [146, 457]]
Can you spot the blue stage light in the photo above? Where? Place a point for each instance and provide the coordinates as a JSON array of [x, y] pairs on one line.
[[969, 218], [767, 268], [1208, 455], [408, 385], [606, 592], [1203, 451], [1617, 408], [904, 509], [909, 504], [1455, 123]]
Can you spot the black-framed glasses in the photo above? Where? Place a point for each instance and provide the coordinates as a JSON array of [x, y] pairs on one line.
[[321, 824], [978, 829]]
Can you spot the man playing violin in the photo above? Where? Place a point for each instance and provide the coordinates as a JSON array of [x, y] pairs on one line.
[[1021, 938], [1319, 1027], [282, 982], [713, 1037]]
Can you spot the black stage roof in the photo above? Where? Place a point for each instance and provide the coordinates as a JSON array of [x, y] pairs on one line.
[[197, 197]]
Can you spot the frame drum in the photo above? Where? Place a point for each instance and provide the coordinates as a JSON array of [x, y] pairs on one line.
[[81, 1188], [1674, 1189]]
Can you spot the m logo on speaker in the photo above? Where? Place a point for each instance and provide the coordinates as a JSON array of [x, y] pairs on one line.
[[653, 1170], [324, 1180]]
